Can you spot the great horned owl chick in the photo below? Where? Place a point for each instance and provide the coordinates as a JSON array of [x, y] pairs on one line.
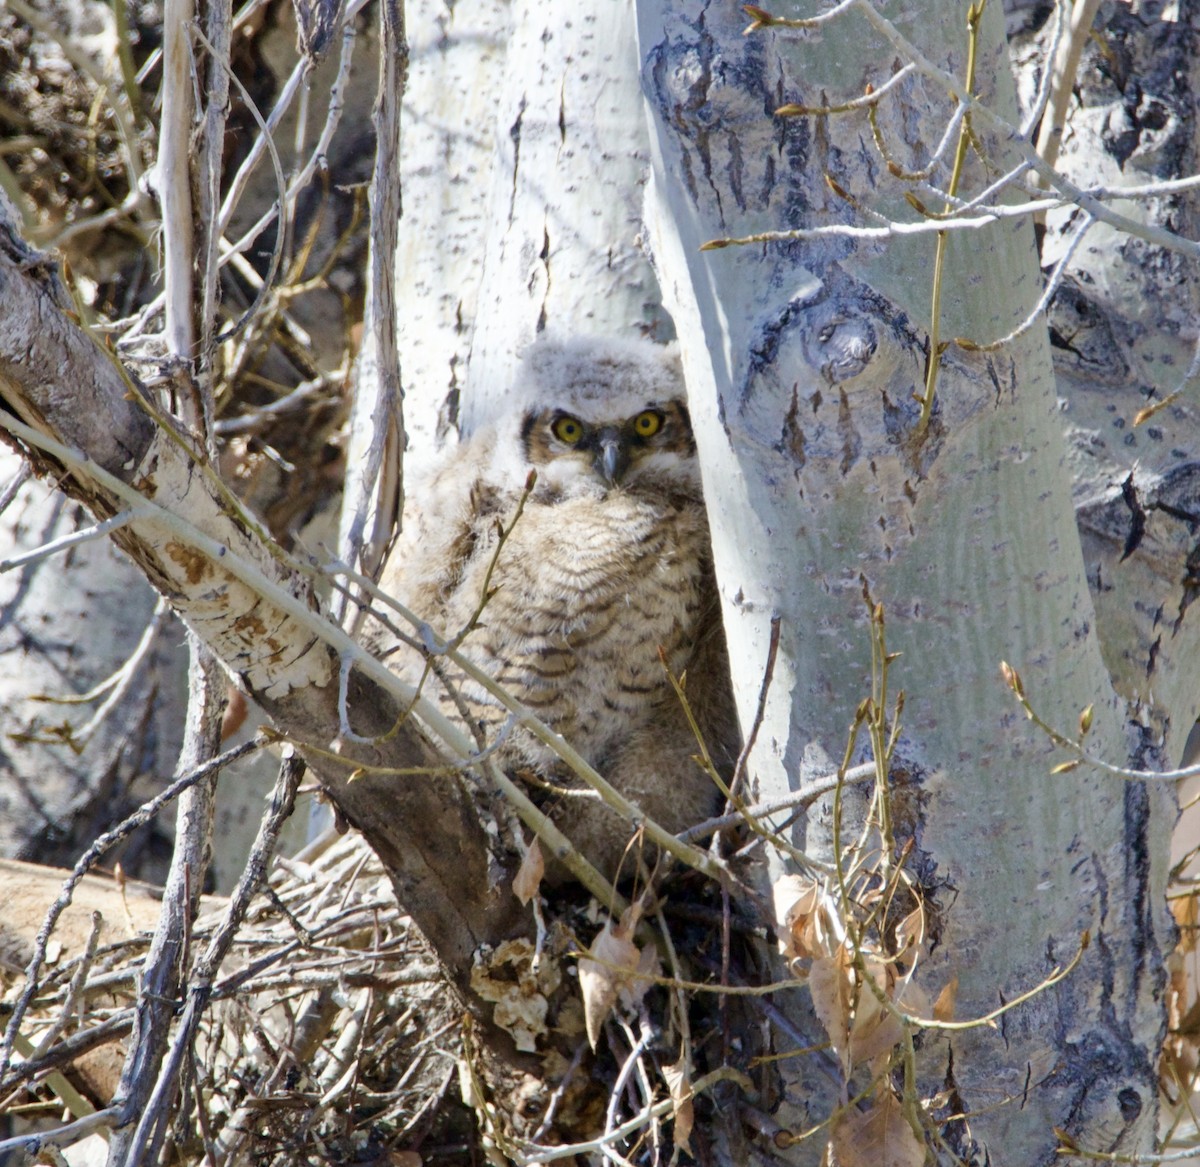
[[608, 561]]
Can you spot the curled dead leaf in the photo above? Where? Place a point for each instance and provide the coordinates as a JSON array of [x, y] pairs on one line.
[[798, 904], [679, 1082], [910, 932], [529, 874], [649, 968], [832, 988], [943, 1007], [913, 1000], [520, 986], [860, 1026], [604, 972]]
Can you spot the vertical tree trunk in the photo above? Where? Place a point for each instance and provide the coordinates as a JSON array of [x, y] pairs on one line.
[[68, 624], [802, 361], [1123, 332], [563, 249], [448, 155]]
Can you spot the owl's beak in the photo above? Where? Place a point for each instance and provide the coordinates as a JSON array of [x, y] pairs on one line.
[[612, 459]]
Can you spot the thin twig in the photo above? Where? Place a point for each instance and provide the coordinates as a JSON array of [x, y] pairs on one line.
[[1081, 754], [374, 488], [538, 1155], [1052, 285], [1046, 83], [14, 484], [123, 680], [174, 183], [925, 226], [32, 1146], [203, 975], [66, 542], [1062, 72], [871, 98], [798, 798], [985, 200], [166, 961], [111, 1029], [74, 988], [140, 817], [280, 186], [909, 174], [218, 38]]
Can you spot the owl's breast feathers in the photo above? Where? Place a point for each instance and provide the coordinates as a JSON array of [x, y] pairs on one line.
[[584, 592]]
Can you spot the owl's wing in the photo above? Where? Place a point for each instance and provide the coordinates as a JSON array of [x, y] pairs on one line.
[[444, 515], [654, 766]]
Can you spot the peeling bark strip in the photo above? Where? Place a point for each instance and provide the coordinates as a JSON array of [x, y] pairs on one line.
[[261, 616]]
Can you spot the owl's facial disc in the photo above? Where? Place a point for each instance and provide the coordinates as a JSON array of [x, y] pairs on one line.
[[611, 450], [605, 446]]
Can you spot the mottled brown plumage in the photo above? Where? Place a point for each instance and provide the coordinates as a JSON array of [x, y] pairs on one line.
[[608, 562]]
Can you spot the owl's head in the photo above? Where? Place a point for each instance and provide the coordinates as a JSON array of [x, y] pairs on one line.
[[597, 414]]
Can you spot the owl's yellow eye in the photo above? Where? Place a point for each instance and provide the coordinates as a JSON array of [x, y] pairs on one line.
[[648, 423], [568, 430]]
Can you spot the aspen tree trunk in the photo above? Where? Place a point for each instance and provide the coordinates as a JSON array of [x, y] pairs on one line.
[[802, 360], [1123, 330], [69, 624], [563, 252], [447, 158]]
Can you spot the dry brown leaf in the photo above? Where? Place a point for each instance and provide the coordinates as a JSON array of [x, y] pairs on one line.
[[913, 1000], [876, 1137], [529, 874], [649, 967], [874, 1029], [859, 1025], [796, 899], [910, 931], [874, 1033], [831, 986], [404, 1159], [943, 1007], [808, 920], [679, 1082], [613, 957]]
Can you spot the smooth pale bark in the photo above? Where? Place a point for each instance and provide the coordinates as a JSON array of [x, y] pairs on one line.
[[68, 623], [563, 250], [801, 363], [1124, 335], [447, 158]]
